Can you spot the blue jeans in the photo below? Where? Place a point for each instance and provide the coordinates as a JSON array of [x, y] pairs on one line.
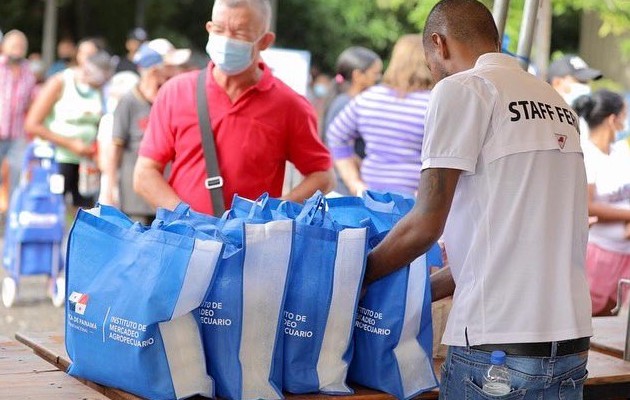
[[531, 377], [13, 151]]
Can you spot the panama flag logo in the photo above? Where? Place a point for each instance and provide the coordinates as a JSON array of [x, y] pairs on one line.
[[562, 140], [78, 302]]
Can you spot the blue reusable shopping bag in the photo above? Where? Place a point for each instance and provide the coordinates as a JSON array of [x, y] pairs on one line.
[[130, 293], [384, 210], [240, 316], [393, 332], [326, 274]]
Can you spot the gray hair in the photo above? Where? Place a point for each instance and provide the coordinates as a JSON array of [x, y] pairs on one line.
[[15, 33], [262, 6]]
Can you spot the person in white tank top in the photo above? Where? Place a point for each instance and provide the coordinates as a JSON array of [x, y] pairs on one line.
[[67, 112]]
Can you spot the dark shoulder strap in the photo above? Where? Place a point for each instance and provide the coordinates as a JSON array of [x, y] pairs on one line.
[[214, 181]]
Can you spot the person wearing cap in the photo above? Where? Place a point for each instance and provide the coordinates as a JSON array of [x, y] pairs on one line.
[[67, 112], [135, 39], [259, 123], [570, 76], [156, 60]]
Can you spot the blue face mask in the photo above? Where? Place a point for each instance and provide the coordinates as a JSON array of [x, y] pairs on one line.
[[320, 90], [232, 56]]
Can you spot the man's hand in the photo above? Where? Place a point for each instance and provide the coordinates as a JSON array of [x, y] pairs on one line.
[[418, 230], [80, 148]]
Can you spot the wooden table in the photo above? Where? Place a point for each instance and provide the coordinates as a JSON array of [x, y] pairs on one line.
[[609, 334], [51, 348], [609, 376], [24, 375], [609, 339]]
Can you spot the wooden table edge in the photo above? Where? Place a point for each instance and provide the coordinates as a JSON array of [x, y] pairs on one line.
[[62, 364]]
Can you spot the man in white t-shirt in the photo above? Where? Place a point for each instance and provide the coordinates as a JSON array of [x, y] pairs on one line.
[[503, 180]]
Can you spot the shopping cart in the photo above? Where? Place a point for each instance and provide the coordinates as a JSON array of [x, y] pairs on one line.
[[35, 226]]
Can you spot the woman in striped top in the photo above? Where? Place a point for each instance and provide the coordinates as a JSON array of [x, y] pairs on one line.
[[389, 117]]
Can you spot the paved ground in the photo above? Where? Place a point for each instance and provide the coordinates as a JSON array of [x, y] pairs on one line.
[[33, 311]]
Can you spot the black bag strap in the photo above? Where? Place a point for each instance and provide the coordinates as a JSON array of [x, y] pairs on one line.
[[214, 181]]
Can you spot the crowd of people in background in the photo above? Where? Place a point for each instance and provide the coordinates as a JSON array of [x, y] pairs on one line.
[[91, 105], [72, 104]]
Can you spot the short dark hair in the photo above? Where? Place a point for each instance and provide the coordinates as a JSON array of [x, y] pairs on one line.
[[598, 106], [467, 21]]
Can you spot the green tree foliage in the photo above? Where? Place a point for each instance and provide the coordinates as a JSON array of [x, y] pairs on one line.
[[324, 27], [615, 16], [327, 27]]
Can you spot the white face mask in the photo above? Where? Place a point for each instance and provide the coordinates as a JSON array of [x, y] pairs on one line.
[[624, 132], [576, 90], [232, 56]]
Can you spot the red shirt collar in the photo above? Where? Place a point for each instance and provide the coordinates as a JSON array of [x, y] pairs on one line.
[[266, 82]]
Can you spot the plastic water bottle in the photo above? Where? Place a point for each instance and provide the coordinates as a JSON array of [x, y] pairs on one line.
[[497, 379], [89, 178]]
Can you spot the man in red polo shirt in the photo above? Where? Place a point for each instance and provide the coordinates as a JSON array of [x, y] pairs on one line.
[[259, 123]]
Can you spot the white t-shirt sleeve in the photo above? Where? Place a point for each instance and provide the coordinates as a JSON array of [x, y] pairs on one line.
[[592, 162], [457, 122]]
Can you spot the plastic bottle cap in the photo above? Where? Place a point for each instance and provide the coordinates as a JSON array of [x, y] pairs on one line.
[[497, 357]]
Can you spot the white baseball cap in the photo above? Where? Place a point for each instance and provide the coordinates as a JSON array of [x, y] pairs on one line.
[[160, 51]]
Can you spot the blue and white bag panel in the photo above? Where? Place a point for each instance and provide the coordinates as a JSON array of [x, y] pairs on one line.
[[130, 295], [327, 272], [241, 314], [394, 334]]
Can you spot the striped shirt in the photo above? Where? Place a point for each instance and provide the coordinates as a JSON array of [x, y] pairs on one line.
[[392, 128], [15, 98]]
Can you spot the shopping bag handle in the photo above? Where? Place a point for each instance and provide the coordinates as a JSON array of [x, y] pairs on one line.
[[386, 202], [289, 209], [164, 214], [258, 209], [315, 213]]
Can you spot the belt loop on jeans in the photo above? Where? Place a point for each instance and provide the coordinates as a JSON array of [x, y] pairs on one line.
[[466, 335]]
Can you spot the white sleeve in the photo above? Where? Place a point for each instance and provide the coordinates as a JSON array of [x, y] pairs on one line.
[[591, 163], [457, 123]]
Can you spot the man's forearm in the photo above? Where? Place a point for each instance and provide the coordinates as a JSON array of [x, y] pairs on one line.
[[150, 184], [418, 230], [400, 247], [348, 170]]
